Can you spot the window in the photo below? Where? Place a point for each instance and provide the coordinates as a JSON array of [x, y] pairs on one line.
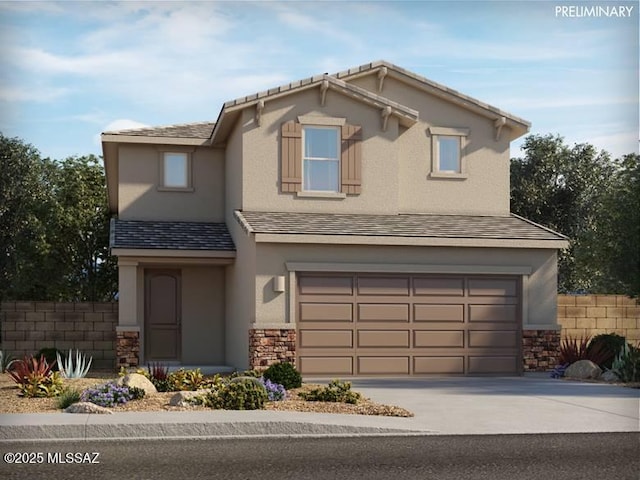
[[320, 157], [321, 163], [175, 171], [448, 152]]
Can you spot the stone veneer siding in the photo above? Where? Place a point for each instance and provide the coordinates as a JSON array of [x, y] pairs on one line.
[[268, 346], [128, 349], [540, 349], [27, 327]]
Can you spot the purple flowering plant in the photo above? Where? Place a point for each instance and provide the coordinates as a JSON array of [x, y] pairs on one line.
[[275, 391], [107, 395]]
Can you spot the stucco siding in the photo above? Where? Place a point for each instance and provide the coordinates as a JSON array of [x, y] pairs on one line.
[[485, 191], [203, 312], [261, 153], [540, 285], [140, 198]]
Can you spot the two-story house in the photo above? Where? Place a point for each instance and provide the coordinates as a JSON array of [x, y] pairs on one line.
[[355, 223]]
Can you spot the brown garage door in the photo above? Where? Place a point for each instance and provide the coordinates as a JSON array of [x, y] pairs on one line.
[[370, 324]]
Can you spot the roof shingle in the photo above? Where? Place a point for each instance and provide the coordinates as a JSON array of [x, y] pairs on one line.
[[188, 130], [414, 225], [170, 235]]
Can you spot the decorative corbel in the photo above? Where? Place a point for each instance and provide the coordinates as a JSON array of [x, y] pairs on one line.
[[386, 113], [259, 109], [324, 86], [381, 74], [498, 124]]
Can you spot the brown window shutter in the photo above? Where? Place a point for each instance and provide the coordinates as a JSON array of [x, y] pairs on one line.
[[291, 157], [351, 160]]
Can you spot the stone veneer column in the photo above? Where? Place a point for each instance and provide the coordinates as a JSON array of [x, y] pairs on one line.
[[540, 349], [127, 347], [269, 345]]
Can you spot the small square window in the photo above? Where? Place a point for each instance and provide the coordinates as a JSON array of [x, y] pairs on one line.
[[175, 170], [320, 161]]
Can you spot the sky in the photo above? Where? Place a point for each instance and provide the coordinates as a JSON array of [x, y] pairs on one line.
[[71, 70]]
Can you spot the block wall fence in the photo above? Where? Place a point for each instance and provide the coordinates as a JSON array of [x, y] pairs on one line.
[[582, 315], [26, 327]]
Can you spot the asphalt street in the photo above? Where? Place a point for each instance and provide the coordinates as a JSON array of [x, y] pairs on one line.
[[495, 457]]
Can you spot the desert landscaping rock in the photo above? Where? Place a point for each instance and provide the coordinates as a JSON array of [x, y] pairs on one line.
[[181, 399], [138, 381], [87, 407], [609, 376], [583, 370]]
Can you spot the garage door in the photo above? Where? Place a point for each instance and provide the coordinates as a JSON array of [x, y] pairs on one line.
[[368, 324]]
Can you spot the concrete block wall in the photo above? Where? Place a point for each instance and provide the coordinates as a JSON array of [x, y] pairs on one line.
[[26, 327], [582, 315]]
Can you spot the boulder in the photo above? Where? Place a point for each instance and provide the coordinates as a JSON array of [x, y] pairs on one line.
[[138, 381], [181, 399], [87, 407], [610, 376], [583, 370]]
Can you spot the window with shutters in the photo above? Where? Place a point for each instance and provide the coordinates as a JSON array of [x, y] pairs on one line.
[[321, 158]]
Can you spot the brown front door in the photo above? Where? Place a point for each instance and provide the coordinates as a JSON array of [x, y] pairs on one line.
[[162, 315]]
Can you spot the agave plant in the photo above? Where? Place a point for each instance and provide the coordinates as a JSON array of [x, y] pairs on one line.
[[69, 369], [6, 361]]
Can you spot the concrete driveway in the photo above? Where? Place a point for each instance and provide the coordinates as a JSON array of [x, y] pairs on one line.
[[534, 403]]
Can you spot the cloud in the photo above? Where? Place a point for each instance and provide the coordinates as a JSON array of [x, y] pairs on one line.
[[123, 124], [15, 93]]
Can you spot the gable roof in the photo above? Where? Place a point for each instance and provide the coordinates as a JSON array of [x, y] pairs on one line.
[[403, 229], [163, 235]]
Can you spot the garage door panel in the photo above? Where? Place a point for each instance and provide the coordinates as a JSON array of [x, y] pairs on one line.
[[383, 312], [325, 285], [493, 313], [326, 365], [379, 365], [438, 286], [493, 364], [326, 312], [492, 338], [326, 339], [438, 365], [383, 286], [438, 313], [438, 339], [492, 287], [383, 338]]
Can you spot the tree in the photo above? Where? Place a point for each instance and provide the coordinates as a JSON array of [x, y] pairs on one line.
[[576, 192], [54, 226]]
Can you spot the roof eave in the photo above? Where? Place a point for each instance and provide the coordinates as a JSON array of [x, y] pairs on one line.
[[147, 139]]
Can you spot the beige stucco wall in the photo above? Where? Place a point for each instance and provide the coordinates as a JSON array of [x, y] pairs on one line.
[[261, 151], [540, 286], [140, 199], [486, 189], [203, 316]]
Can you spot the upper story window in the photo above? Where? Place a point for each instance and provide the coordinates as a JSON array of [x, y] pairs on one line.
[[175, 171], [448, 152], [320, 157], [320, 162]]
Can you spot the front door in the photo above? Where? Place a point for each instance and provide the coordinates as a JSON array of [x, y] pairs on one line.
[[162, 315]]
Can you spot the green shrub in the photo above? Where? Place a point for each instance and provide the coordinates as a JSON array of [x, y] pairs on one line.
[[610, 344], [238, 395], [336, 391], [68, 397], [285, 374], [627, 364], [185, 380], [247, 373], [136, 393]]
